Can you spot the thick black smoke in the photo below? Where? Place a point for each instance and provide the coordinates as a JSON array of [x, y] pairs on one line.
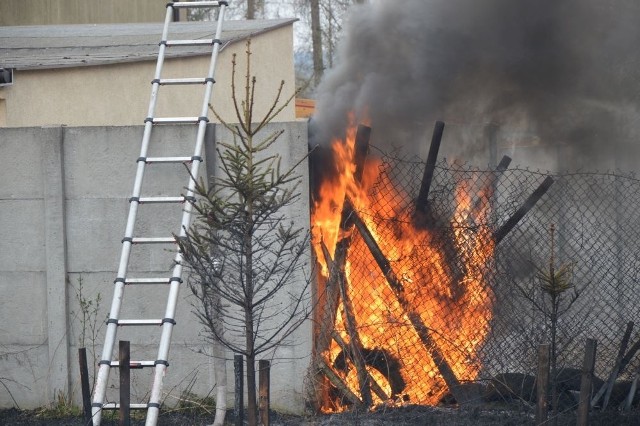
[[562, 72]]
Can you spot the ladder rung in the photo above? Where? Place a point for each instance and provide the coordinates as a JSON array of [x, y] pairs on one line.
[[175, 120], [171, 81], [116, 406], [168, 159], [199, 42], [189, 5], [135, 364], [159, 200], [153, 240], [131, 322], [147, 281]]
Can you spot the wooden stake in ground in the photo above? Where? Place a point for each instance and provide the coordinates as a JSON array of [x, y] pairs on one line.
[[125, 383], [632, 392], [542, 385], [586, 382], [84, 384], [264, 374]]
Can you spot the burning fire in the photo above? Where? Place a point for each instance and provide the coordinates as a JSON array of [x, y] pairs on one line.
[[446, 292]]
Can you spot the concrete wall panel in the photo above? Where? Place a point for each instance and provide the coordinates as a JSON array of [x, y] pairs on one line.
[[24, 371], [95, 228], [20, 171], [98, 167], [22, 242], [100, 162], [24, 308]]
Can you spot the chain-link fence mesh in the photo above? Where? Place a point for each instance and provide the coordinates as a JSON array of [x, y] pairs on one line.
[[481, 299]]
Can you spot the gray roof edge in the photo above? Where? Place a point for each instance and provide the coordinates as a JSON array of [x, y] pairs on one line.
[[278, 23], [285, 22]]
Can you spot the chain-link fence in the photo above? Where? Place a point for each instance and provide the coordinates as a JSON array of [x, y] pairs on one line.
[[463, 294]]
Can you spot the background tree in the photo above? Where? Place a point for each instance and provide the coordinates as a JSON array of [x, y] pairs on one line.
[[316, 38], [316, 34], [553, 297], [243, 251]]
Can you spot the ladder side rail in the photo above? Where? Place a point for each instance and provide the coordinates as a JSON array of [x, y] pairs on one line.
[[167, 327], [110, 334]]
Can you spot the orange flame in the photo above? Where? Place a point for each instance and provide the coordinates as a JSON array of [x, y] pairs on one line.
[[453, 302]]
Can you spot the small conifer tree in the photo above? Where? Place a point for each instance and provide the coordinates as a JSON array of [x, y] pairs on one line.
[[243, 252]]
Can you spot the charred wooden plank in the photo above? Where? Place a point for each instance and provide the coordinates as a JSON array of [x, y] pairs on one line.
[[338, 383], [355, 344], [336, 272], [502, 232], [336, 265], [346, 348], [607, 387], [418, 325]]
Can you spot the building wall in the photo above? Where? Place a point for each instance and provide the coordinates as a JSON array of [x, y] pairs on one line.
[[63, 209], [118, 95], [46, 12]]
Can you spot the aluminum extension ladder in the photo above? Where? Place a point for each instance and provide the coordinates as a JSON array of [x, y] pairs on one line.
[[122, 280]]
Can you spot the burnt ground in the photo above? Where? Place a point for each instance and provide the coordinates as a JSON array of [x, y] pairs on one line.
[[403, 416]]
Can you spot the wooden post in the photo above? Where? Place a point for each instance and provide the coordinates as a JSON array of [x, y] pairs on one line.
[[542, 385], [238, 374], [491, 135], [363, 135], [125, 383], [586, 381], [607, 387], [422, 207], [264, 371], [84, 384]]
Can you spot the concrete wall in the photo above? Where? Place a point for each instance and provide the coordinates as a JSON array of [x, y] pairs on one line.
[[118, 95], [63, 210], [47, 12]]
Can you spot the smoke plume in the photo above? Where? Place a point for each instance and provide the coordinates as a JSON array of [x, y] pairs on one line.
[[558, 72]]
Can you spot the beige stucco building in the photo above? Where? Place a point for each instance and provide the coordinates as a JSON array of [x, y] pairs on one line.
[[100, 75], [48, 12]]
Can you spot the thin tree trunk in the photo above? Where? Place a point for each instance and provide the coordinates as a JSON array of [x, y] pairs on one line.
[[220, 370], [316, 39], [249, 341], [251, 9]]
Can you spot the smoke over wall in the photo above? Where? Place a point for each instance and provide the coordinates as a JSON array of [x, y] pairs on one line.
[[565, 71]]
